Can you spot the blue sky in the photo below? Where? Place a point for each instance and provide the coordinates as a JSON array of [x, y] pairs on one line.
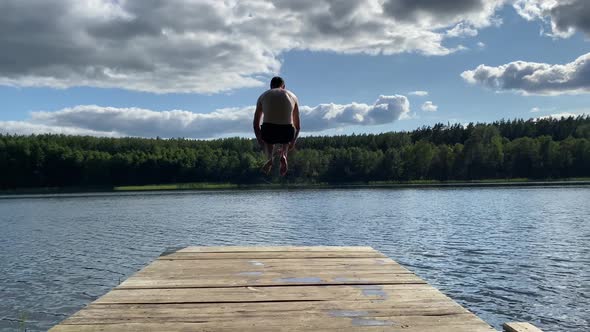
[[331, 74]]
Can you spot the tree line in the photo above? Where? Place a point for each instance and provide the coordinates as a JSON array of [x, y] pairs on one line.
[[537, 149]]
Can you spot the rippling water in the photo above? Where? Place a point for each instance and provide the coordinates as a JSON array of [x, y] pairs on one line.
[[506, 254]]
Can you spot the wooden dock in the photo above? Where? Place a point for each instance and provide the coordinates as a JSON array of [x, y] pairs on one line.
[[274, 289]]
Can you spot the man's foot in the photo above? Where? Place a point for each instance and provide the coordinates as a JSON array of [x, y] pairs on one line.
[[284, 165], [267, 167]]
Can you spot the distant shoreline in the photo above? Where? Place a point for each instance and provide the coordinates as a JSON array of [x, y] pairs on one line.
[[266, 186]]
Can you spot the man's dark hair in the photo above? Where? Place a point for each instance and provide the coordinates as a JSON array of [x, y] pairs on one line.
[[276, 82]]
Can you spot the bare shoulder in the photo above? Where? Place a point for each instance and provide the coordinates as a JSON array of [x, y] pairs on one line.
[[262, 96], [293, 96]]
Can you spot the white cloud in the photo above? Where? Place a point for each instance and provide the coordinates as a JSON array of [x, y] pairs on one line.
[[111, 121], [462, 30], [535, 110], [429, 107], [419, 93], [534, 78], [481, 44], [477, 13], [386, 109], [209, 46], [29, 128], [560, 115], [564, 17]]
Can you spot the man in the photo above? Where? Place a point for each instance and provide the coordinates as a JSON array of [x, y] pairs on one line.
[[278, 108]]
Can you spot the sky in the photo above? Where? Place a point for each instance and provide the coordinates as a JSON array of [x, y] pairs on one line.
[[195, 68]]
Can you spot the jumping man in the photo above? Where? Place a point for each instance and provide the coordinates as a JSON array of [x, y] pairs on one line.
[[279, 110]]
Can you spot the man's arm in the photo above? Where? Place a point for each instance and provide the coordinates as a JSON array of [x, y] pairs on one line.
[[296, 123], [256, 122]]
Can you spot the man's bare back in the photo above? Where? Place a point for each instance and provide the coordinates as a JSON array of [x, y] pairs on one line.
[[278, 110]]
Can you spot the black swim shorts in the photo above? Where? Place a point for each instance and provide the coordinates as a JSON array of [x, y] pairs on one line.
[[277, 134]]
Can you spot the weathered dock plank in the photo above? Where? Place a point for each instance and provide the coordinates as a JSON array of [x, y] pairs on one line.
[[274, 249], [268, 254], [520, 327], [270, 294], [274, 289]]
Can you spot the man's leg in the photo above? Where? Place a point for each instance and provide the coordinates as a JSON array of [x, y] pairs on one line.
[[268, 151], [284, 165]]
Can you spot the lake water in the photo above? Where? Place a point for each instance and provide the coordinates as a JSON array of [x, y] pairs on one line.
[[507, 254]]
